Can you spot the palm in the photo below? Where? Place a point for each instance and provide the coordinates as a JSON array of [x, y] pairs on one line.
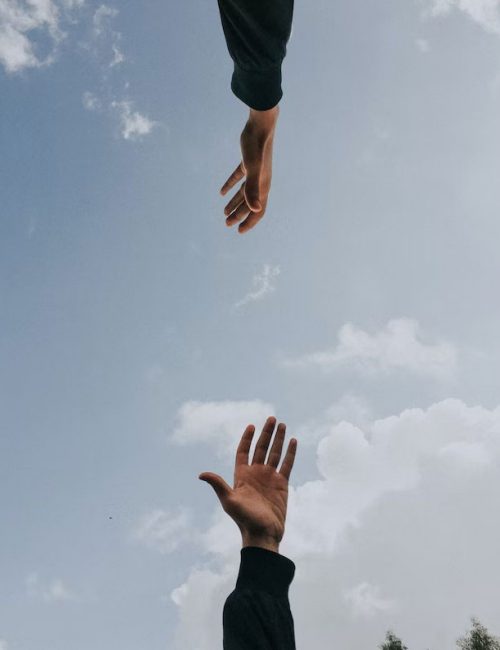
[[258, 500]]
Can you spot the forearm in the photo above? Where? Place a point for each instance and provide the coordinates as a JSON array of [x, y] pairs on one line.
[[257, 32], [257, 613]]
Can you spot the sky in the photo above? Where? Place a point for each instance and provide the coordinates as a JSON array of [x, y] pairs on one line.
[[139, 335]]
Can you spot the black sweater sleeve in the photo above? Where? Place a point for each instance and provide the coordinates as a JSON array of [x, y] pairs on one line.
[[257, 32], [257, 614]]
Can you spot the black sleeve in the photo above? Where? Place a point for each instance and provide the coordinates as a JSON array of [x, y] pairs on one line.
[[257, 614], [257, 32]]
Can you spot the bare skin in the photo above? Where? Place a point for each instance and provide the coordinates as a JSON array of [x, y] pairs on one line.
[[248, 205], [258, 501]]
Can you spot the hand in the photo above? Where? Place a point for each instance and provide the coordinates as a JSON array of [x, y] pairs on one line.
[[258, 500], [249, 203]]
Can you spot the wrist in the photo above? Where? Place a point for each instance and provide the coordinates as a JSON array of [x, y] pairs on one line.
[[263, 121], [268, 543]]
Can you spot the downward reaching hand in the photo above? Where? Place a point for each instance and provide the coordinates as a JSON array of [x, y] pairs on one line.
[[258, 500], [248, 205]]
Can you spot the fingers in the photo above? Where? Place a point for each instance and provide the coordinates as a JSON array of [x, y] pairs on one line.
[[287, 464], [244, 446], [236, 176], [241, 213], [275, 453], [220, 486], [237, 200], [262, 445], [252, 220]]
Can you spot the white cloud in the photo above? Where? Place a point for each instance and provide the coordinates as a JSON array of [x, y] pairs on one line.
[[165, 531], [485, 13], [400, 525], [423, 45], [91, 102], [365, 600], [134, 125], [220, 424], [101, 18], [398, 346], [19, 24], [262, 285], [3, 645], [107, 39], [50, 592]]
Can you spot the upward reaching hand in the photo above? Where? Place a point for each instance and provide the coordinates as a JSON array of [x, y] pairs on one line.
[[249, 203], [258, 500]]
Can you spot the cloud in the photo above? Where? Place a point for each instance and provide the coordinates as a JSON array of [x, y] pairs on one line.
[[51, 592], [106, 39], [398, 346], [91, 102], [423, 45], [134, 125], [220, 424], [21, 25], [165, 531], [262, 285], [399, 525], [485, 13], [365, 600], [3, 645]]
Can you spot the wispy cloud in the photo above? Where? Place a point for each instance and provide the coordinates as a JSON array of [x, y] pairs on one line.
[[365, 600], [422, 45], [104, 44], [53, 591], [165, 531], [398, 346], [134, 125], [262, 283], [485, 13], [106, 38]]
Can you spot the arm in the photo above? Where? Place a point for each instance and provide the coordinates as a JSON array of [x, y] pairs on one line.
[[257, 32], [257, 613]]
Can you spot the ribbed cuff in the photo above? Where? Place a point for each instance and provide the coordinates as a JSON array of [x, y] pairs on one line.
[[265, 570], [258, 90]]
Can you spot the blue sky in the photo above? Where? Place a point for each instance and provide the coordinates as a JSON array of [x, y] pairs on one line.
[[139, 334]]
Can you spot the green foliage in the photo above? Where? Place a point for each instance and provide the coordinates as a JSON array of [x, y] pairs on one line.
[[478, 638], [392, 642]]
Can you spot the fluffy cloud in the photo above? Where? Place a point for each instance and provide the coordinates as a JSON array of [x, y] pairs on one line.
[[399, 531], [134, 125], [262, 285], [20, 22], [220, 424], [485, 13], [164, 530], [398, 346]]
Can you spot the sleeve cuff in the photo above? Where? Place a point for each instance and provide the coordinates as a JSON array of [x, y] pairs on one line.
[[260, 90], [265, 570]]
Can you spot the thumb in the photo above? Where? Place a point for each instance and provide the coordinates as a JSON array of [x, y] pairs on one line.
[[220, 486], [252, 190]]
